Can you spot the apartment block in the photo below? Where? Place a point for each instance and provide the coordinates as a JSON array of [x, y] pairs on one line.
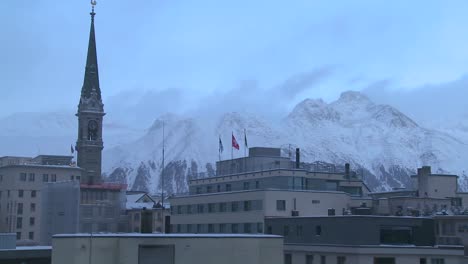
[[22, 181]]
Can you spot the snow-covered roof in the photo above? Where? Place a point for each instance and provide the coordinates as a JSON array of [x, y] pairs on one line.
[[159, 235], [139, 201]]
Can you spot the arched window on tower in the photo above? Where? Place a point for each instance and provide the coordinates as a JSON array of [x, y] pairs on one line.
[[92, 130]]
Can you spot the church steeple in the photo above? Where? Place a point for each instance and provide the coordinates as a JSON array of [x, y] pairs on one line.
[[90, 115], [91, 78]]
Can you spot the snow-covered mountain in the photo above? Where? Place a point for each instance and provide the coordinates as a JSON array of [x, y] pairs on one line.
[[377, 139], [29, 134]]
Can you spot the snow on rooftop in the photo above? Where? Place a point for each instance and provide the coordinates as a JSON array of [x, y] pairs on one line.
[[159, 235]]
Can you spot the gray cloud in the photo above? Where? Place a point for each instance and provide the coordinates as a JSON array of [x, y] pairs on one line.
[[298, 83]]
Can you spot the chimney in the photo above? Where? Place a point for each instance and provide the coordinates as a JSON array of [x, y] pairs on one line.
[[347, 171], [298, 158]]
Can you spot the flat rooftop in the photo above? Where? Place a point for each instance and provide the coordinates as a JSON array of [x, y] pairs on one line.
[[156, 235]]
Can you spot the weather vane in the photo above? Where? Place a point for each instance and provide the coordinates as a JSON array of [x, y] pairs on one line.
[[93, 3]]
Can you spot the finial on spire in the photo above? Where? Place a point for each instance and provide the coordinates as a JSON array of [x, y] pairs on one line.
[[93, 3]]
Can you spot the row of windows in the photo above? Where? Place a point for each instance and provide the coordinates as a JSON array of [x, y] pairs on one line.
[[309, 259], [89, 211], [19, 208], [227, 187], [19, 222], [235, 206], [45, 177], [223, 228], [33, 193], [30, 236]]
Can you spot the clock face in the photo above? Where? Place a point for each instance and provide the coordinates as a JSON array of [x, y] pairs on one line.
[[92, 125]]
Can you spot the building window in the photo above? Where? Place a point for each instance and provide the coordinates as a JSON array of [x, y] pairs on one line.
[[199, 228], [211, 208], [31, 235], [18, 235], [8, 193], [54, 177], [209, 189], [77, 178], [20, 193], [200, 208], [178, 228], [33, 208], [1, 177], [396, 235], [45, 177], [340, 260], [136, 217], [281, 205], [422, 261], [437, 261], [235, 228], [222, 207], [0, 194], [20, 208], [247, 205], [286, 230], [189, 228], [198, 190], [323, 260], [23, 176], [210, 228], [72, 177], [318, 230], [247, 228], [257, 185], [259, 228], [32, 176], [189, 209], [19, 222], [33, 193], [31, 221], [228, 187], [287, 258], [218, 188], [246, 185], [384, 260], [315, 201], [222, 228], [179, 209], [299, 231], [309, 259], [234, 206]]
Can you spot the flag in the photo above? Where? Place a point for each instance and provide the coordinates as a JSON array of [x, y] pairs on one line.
[[234, 142], [220, 145], [72, 149], [245, 140]]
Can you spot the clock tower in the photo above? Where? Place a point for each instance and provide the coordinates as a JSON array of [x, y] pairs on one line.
[[90, 115]]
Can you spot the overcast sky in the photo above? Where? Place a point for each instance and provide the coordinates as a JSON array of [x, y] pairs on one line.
[[162, 51]]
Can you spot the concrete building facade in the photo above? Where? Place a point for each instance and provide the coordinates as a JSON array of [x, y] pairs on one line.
[[362, 239], [167, 249], [22, 182], [239, 203]]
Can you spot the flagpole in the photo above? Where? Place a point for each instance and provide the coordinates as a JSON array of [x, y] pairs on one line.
[[162, 184], [232, 147], [245, 143]]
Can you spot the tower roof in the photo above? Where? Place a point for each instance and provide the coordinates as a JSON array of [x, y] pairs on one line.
[[91, 77]]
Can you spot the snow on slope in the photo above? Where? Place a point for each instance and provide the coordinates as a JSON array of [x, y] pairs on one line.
[[377, 138], [30, 134]]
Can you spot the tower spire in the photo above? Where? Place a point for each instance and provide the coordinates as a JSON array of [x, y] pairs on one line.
[[91, 77]]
